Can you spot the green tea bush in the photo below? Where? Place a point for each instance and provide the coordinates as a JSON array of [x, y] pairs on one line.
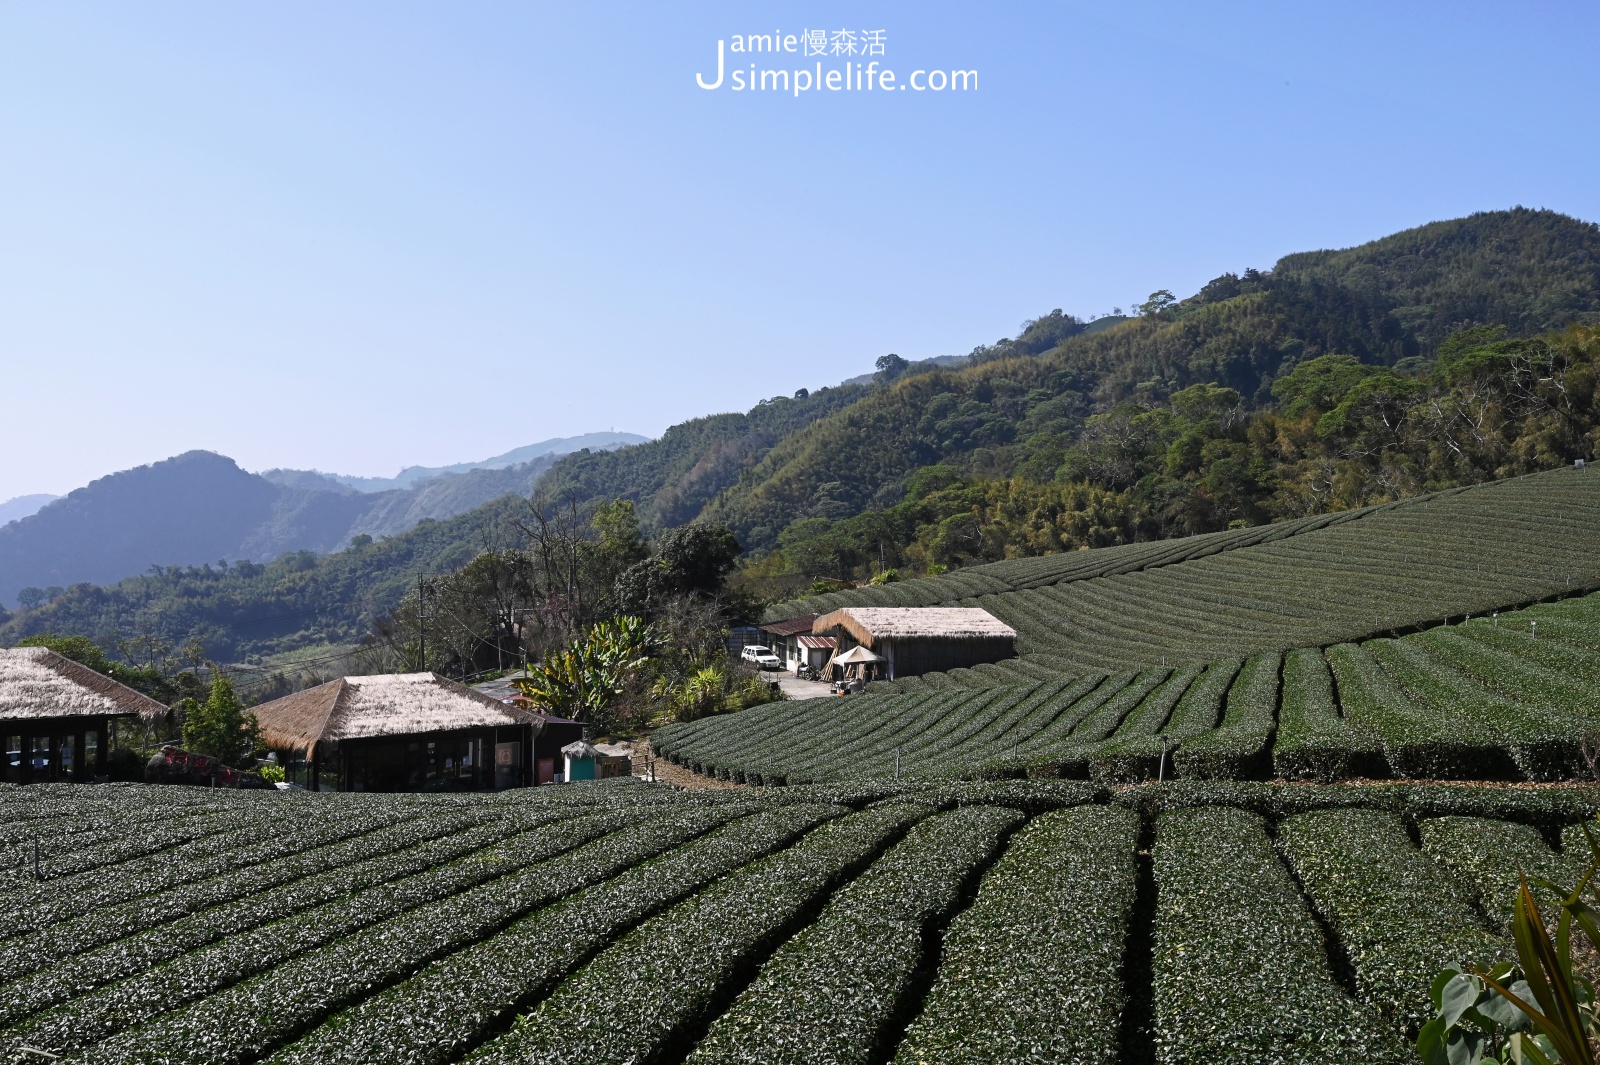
[[640, 997], [1418, 741], [859, 961], [252, 1018], [1030, 970], [1316, 742], [1489, 859], [1398, 916], [1130, 759], [1238, 748], [455, 1004], [91, 1019], [1241, 970], [1543, 743]]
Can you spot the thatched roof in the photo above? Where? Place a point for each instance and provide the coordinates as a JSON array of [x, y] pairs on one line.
[[392, 704], [35, 682], [869, 624], [581, 749]]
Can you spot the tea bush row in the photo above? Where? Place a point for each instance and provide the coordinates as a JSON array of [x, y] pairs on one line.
[[254, 1017], [92, 1018], [641, 997], [1030, 971], [1399, 918], [859, 962], [1241, 972], [460, 1001]]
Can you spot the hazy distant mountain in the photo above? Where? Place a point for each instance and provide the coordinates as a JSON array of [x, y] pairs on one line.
[[22, 506], [414, 475], [201, 507]]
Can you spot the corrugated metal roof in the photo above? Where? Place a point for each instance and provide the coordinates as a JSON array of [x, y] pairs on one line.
[[790, 626], [819, 643]]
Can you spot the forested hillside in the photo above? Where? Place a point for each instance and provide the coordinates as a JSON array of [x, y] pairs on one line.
[[673, 478], [1390, 303], [300, 599]]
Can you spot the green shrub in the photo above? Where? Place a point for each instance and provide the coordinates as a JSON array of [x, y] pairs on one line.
[[859, 961], [1315, 742], [1543, 743], [1418, 741], [456, 1003], [1398, 916], [1241, 973], [639, 997], [1030, 970], [1238, 747], [1489, 858]]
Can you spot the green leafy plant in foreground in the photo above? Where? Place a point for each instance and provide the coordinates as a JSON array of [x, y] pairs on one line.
[[1474, 1023], [1548, 1016]]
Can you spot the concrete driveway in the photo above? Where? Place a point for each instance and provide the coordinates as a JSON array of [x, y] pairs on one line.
[[795, 688]]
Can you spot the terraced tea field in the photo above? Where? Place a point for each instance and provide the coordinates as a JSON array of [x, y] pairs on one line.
[[1316, 581], [622, 922], [1510, 697]]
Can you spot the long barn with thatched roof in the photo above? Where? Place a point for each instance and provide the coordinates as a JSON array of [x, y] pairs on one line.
[[401, 732], [922, 639], [55, 715]]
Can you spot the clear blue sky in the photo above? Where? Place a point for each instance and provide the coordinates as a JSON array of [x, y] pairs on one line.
[[359, 236]]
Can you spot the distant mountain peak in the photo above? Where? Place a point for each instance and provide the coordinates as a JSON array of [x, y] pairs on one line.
[[414, 475], [19, 507]]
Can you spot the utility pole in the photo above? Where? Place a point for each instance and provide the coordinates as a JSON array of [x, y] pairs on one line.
[[422, 629]]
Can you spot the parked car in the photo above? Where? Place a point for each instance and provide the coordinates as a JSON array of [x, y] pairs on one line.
[[760, 657]]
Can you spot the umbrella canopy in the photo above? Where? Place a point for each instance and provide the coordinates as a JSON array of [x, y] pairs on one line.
[[855, 655]]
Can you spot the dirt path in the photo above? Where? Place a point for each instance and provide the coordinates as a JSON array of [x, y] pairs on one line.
[[667, 773]]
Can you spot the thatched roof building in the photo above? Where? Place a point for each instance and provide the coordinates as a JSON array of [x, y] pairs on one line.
[[917, 640], [401, 731], [36, 683], [392, 704], [56, 713]]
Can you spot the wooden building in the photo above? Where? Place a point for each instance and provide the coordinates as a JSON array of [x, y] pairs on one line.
[[784, 639], [402, 732], [923, 639], [55, 716]]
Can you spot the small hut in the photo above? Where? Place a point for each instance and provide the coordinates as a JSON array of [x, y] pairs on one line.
[[581, 757], [55, 716], [590, 761], [400, 732], [553, 734], [816, 650], [923, 639]]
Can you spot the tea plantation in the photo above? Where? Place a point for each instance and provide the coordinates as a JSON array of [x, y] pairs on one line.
[[1016, 921], [1509, 697], [1319, 580], [976, 866]]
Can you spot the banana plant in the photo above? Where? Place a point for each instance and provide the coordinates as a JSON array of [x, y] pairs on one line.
[[581, 681]]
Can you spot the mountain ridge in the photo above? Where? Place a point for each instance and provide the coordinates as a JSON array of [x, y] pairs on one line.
[[411, 476], [200, 507]]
